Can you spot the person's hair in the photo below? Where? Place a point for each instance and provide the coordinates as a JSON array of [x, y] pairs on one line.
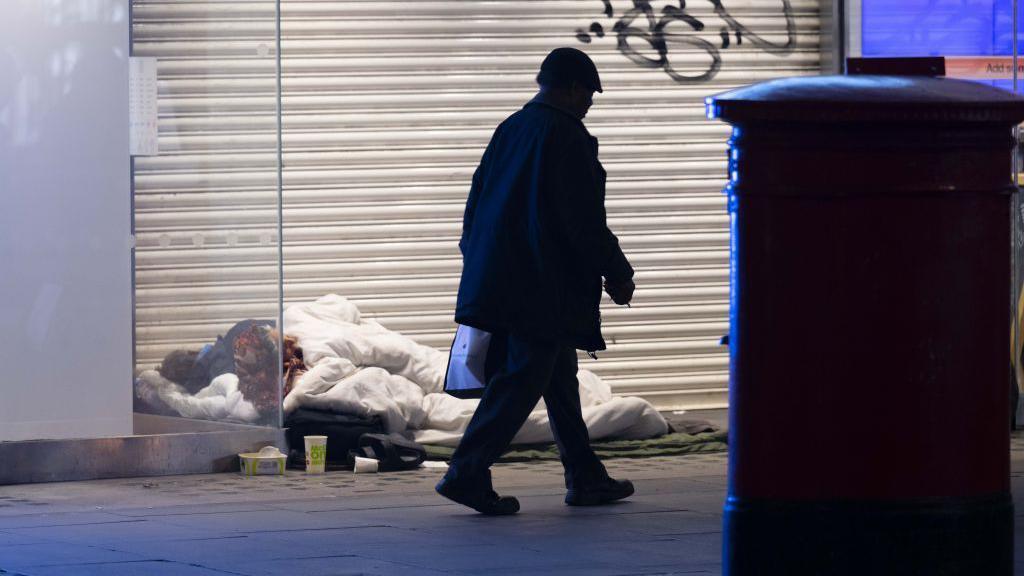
[[548, 80], [177, 365]]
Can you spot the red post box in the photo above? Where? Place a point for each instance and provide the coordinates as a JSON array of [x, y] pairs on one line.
[[870, 326]]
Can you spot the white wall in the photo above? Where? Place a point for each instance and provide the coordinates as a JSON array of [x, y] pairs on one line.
[[65, 276]]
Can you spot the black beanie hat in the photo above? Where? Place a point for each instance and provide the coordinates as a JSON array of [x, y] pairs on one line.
[[564, 65]]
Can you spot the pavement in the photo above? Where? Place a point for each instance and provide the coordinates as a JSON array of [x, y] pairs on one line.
[[381, 524]]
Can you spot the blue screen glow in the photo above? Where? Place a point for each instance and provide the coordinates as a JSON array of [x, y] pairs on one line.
[[937, 27]]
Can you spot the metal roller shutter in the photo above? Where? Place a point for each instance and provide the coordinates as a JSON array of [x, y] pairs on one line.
[[206, 209], [387, 107]]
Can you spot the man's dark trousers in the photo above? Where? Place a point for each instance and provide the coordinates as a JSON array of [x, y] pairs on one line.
[[533, 369]]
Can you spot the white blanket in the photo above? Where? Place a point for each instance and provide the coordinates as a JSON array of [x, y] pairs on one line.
[[359, 367], [356, 366], [220, 400]]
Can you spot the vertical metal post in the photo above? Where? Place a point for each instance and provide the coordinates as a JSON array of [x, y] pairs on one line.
[[852, 26], [131, 210], [1017, 226], [280, 216], [833, 37]]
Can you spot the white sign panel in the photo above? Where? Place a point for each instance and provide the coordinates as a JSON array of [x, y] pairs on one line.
[[142, 107]]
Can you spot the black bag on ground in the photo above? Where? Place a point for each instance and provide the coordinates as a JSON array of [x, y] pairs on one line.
[[342, 430], [393, 451]]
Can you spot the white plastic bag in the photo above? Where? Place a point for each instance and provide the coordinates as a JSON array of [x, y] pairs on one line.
[[466, 376]]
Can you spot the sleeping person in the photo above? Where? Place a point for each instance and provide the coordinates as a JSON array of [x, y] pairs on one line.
[[246, 358]]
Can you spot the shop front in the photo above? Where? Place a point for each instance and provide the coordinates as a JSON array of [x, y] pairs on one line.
[[223, 210]]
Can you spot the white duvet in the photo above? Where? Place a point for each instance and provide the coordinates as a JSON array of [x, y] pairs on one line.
[[356, 366], [221, 400]]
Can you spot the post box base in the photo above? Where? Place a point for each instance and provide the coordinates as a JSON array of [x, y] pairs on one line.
[[969, 537]]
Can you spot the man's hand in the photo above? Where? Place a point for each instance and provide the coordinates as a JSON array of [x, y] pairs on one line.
[[621, 292]]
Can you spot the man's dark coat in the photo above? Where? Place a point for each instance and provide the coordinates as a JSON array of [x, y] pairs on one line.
[[535, 240]]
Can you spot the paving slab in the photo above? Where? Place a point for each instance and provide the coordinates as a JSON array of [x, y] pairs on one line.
[[129, 531], [26, 556], [334, 566], [141, 568], [9, 539], [51, 520]]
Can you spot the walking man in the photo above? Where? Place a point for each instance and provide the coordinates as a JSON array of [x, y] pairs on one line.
[[535, 247]]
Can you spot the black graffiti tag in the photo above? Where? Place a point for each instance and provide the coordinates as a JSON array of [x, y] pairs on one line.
[[658, 37], [744, 32], [676, 28]]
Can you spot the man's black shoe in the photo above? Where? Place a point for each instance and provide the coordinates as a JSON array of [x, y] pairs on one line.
[[483, 501], [608, 490]]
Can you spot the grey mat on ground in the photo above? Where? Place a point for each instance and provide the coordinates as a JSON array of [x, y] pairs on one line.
[[667, 445]]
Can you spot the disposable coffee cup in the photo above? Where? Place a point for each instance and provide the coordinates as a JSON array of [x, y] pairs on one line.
[[365, 465], [316, 454]]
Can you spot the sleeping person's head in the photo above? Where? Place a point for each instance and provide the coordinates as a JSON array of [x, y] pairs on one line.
[[177, 365]]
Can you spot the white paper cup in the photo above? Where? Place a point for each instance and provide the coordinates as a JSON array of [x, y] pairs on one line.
[[316, 454], [365, 465]]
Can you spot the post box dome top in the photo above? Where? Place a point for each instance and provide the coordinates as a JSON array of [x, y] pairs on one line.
[[841, 99]]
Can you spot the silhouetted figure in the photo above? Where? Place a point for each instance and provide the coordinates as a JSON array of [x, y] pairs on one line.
[[535, 246]]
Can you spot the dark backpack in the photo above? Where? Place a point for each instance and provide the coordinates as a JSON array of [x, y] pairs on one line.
[[342, 430], [393, 451]]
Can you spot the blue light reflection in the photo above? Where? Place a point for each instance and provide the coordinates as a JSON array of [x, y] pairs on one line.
[[929, 28]]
